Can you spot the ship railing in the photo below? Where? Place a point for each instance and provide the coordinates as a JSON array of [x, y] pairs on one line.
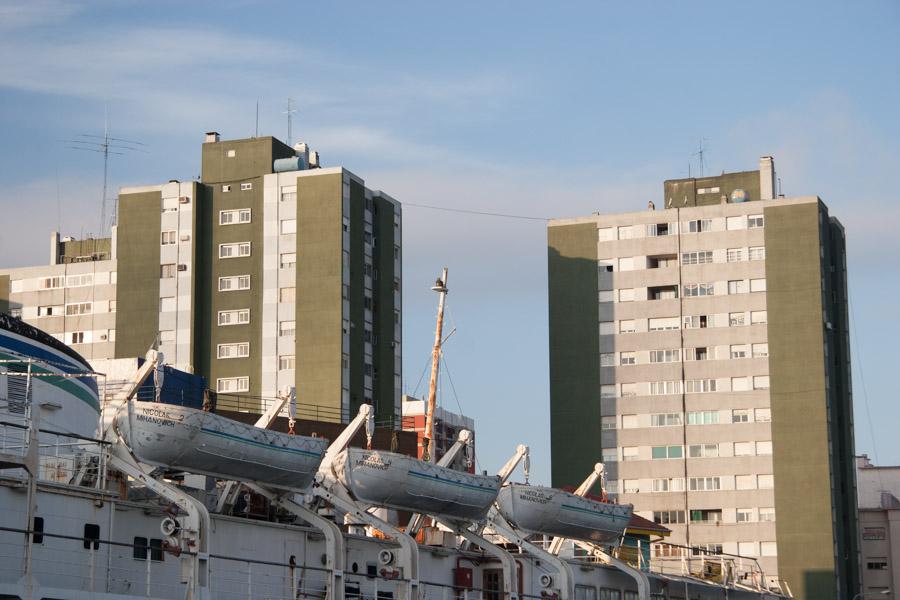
[[65, 458]]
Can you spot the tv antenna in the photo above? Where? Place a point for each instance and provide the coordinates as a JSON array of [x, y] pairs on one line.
[[105, 145], [699, 154], [289, 112]]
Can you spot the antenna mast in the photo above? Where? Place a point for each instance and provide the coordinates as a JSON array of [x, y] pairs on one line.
[[428, 452], [105, 145], [289, 112], [699, 154]]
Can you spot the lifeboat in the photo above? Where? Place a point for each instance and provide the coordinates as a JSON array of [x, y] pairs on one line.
[[192, 440], [401, 482], [549, 511]]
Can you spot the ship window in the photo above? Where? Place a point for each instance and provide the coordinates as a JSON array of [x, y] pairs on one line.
[[37, 535], [156, 549], [91, 536], [139, 548], [585, 592], [609, 594]]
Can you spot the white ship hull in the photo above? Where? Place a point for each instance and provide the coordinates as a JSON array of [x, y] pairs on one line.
[[549, 511], [398, 481], [188, 439]]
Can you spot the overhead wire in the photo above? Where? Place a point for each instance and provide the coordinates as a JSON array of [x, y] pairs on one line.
[[477, 212]]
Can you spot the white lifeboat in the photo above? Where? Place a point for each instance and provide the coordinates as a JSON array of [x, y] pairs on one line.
[[549, 511], [201, 442]]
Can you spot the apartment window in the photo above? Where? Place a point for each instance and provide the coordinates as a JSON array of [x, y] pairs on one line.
[[606, 234], [738, 286], [79, 308], [755, 221], [52, 283], [700, 353], [757, 285], [706, 515], [693, 290], [699, 226], [626, 326], [626, 295], [80, 280], [288, 294], [668, 517], [703, 451], [226, 188], [289, 226], [758, 317], [736, 319], [662, 292], [246, 186], [760, 382], [233, 283], [662, 323], [748, 549], [666, 452], [763, 415], [167, 238], [607, 423], [612, 487], [630, 453], [745, 515], [608, 391], [741, 415], [287, 362], [169, 205], [768, 549], [744, 482], [286, 328], [234, 317], [626, 232], [15, 312], [698, 322], [166, 336], [765, 482], [767, 515], [167, 304], [626, 264], [764, 448], [735, 255], [740, 351], [700, 386], [629, 389], [288, 260], [662, 261], [739, 222], [630, 486], [658, 229], [234, 250], [740, 384], [760, 350], [659, 388], [665, 419], [709, 190], [608, 359], [232, 384], [627, 358], [606, 296], [609, 455], [668, 485], [701, 257], [703, 417], [704, 484], [234, 217], [167, 271], [235, 350], [664, 356], [744, 449], [78, 337], [757, 253], [699, 549]]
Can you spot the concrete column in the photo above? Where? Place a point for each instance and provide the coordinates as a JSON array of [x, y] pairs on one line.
[[766, 178]]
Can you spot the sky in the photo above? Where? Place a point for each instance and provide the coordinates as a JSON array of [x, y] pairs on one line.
[[523, 108]]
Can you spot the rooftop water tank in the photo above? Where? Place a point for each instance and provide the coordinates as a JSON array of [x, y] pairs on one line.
[[294, 163], [739, 195]]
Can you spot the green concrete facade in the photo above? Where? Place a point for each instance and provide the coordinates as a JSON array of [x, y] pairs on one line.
[[4, 293], [811, 424], [319, 293], [683, 192], [574, 352], [137, 251], [84, 250]]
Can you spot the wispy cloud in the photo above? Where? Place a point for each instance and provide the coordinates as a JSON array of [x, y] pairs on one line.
[[20, 15]]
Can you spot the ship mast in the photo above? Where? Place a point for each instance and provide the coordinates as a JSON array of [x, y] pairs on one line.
[[440, 286]]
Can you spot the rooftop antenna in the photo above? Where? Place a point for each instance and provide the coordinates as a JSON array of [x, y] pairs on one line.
[[289, 112], [699, 154], [105, 145]]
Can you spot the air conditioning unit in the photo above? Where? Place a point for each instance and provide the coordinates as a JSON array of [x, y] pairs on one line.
[[185, 237], [183, 200], [182, 267]]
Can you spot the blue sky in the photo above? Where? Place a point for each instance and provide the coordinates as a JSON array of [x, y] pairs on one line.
[[543, 109]]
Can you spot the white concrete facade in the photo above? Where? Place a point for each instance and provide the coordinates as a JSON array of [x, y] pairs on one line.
[[878, 489]]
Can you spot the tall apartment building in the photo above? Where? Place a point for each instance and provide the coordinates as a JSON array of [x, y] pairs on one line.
[[269, 271], [701, 351]]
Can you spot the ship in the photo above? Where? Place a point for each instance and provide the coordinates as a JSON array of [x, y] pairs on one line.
[[105, 495]]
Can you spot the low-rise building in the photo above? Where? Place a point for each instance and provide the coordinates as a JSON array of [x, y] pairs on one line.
[[879, 526]]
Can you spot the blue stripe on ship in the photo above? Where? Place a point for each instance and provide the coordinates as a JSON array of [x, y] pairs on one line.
[[73, 387], [59, 360], [236, 438], [451, 482]]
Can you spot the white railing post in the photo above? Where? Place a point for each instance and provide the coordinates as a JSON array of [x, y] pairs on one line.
[[249, 581], [91, 567], [148, 572]]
